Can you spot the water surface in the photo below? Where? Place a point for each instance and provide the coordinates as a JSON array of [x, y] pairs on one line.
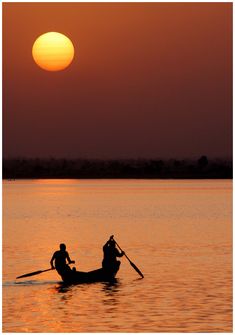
[[179, 233]]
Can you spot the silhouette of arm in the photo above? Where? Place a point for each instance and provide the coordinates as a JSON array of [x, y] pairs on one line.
[[69, 260], [119, 254], [51, 262]]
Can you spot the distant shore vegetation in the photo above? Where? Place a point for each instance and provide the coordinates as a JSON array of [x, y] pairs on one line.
[[34, 168]]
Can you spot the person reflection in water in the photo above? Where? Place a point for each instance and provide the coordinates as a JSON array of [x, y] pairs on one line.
[[60, 257], [110, 262]]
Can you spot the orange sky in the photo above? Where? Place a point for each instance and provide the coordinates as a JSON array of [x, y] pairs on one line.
[[147, 80]]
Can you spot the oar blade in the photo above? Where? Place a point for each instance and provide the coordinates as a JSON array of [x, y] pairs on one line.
[[34, 273], [136, 269], [30, 274], [132, 264]]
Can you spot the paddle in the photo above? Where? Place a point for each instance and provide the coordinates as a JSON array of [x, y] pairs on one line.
[[132, 264], [34, 273]]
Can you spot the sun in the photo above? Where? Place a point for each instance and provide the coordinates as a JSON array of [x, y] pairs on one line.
[[53, 51]]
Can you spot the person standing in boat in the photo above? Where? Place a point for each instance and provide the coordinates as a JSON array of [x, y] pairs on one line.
[[110, 262], [60, 257]]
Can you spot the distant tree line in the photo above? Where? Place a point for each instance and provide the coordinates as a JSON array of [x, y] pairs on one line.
[[22, 168]]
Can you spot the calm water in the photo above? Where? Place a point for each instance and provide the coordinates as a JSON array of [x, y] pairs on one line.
[[179, 233]]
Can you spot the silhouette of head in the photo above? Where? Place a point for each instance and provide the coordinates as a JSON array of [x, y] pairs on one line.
[[62, 247], [112, 243]]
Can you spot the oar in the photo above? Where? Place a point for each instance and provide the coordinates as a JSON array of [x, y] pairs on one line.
[[132, 264], [34, 273]]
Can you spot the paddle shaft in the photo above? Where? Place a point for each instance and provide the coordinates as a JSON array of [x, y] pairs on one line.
[[122, 251], [38, 272], [132, 264]]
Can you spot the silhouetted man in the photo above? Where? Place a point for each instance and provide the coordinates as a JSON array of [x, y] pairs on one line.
[[60, 257], [110, 262]]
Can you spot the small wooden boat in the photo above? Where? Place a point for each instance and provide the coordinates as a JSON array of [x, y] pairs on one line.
[[99, 275]]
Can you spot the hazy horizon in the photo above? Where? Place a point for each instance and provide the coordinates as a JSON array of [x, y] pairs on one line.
[[193, 158]]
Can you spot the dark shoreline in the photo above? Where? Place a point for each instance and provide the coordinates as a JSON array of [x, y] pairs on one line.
[[202, 168]]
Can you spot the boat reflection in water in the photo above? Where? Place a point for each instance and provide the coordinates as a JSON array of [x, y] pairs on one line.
[[107, 287]]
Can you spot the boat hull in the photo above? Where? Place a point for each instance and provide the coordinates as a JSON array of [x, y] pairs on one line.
[[99, 275]]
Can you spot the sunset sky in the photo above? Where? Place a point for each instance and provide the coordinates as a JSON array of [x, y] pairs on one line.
[[148, 80]]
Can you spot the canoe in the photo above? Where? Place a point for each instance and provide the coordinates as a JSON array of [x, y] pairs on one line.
[[99, 275]]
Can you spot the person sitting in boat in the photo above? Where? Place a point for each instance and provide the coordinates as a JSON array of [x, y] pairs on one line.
[[60, 257], [110, 262]]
